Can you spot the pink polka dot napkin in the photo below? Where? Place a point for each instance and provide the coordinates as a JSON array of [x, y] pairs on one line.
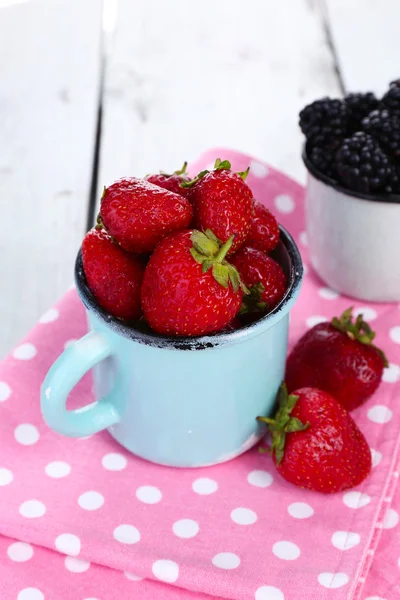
[[85, 520]]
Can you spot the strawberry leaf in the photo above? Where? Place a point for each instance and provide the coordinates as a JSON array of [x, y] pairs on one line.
[[295, 424], [221, 274], [358, 330], [220, 165], [283, 424], [243, 174], [203, 244], [199, 258]]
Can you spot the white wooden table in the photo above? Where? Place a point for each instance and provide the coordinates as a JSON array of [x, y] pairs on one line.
[[92, 92]]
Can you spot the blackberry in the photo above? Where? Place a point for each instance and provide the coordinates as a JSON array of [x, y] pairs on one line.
[[385, 128], [360, 106], [324, 122], [391, 100], [361, 164], [323, 159], [393, 181]]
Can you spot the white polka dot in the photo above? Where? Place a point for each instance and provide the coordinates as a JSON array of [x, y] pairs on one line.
[[356, 499], [243, 516], [316, 320], [376, 457], [25, 351], [49, 316], [344, 540], [284, 203], [315, 261], [126, 534], [57, 469], [300, 510], [132, 576], [69, 343], [303, 238], [333, 580], [30, 594], [269, 592], [260, 478], [286, 550], [6, 476], [91, 500], [32, 509], [114, 461], [185, 528], [68, 543], [394, 334], [391, 519], [226, 560], [5, 391], [258, 169], [148, 494], [391, 374], [20, 551], [379, 414], [165, 570], [369, 314], [328, 294], [75, 565], [26, 434], [204, 486]]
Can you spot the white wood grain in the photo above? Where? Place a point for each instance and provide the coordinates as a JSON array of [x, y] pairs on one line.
[[185, 76], [366, 36], [49, 77]]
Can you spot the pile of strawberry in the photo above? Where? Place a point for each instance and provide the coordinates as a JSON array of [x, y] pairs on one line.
[[188, 256], [333, 369]]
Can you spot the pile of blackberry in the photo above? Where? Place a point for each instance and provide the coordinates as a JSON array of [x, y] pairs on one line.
[[356, 141]]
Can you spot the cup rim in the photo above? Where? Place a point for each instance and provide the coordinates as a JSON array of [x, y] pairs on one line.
[[382, 198], [204, 341]]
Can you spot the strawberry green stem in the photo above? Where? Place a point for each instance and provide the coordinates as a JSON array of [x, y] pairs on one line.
[[224, 250]]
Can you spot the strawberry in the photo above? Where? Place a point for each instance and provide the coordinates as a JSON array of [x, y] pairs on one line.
[[338, 357], [113, 275], [315, 442], [264, 232], [139, 214], [264, 278], [171, 182], [189, 288], [223, 203]]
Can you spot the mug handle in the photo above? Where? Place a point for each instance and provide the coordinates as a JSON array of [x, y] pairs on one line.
[[68, 369]]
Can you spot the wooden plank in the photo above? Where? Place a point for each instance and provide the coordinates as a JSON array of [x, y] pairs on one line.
[[367, 42], [185, 76], [49, 73]]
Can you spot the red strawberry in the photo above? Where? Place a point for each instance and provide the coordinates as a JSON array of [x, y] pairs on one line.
[[171, 182], [257, 269], [338, 357], [139, 214], [188, 288], [264, 232], [113, 275], [315, 442], [222, 202]]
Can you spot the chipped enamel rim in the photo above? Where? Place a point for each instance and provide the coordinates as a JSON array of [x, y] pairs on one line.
[[385, 198], [204, 342]]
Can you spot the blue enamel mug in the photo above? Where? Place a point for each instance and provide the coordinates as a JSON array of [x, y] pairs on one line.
[[182, 402]]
